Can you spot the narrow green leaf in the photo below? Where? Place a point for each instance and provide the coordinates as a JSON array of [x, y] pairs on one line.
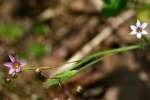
[[67, 75], [51, 82], [98, 55], [85, 63], [60, 78]]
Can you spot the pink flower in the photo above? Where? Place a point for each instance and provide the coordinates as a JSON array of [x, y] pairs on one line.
[[15, 66]]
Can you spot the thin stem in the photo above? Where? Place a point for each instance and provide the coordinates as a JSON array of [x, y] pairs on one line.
[[41, 68], [46, 68]]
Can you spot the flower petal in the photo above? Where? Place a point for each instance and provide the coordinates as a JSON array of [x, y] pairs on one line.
[[138, 23], [22, 63], [12, 58], [133, 28], [139, 35], [144, 32], [18, 70], [11, 71], [133, 32], [9, 65], [144, 25]]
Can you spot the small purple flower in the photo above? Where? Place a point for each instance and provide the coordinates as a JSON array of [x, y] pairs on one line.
[[15, 66]]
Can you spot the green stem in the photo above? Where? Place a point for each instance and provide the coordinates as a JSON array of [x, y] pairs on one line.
[[34, 68], [87, 62], [105, 53], [45, 68]]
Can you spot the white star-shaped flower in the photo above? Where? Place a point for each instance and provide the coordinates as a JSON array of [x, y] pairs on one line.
[[138, 29]]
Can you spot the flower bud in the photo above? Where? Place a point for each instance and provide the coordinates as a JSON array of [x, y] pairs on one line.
[[79, 89], [7, 79], [37, 70]]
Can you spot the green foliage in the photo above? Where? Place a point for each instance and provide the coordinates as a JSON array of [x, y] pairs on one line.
[[85, 63], [40, 29], [51, 82], [10, 32], [60, 78], [22, 55], [113, 7], [143, 13], [37, 49]]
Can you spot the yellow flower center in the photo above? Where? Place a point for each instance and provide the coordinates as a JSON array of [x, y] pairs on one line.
[[16, 65], [139, 29]]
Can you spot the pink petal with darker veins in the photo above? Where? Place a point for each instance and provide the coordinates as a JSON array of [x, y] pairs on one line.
[[22, 63], [18, 70], [11, 71], [13, 59], [9, 65]]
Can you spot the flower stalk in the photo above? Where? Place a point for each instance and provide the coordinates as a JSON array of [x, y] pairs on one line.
[[86, 63]]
